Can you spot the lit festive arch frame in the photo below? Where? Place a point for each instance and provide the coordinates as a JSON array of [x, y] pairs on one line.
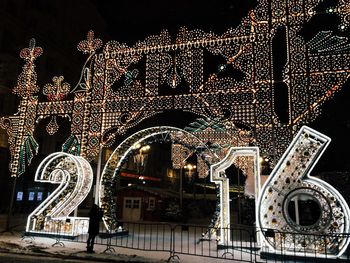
[[110, 97], [120, 155], [113, 166]]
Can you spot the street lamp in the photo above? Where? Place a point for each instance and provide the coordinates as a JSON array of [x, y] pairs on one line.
[[265, 165], [188, 167], [139, 157]]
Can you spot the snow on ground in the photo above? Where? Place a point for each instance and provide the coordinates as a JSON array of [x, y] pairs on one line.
[[40, 249], [40, 246]]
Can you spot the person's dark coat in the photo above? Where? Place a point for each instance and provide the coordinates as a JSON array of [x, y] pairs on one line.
[[95, 216]]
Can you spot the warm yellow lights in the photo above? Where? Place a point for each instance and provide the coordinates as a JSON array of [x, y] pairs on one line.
[[136, 146], [112, 98], [145, 148], [190, 167]]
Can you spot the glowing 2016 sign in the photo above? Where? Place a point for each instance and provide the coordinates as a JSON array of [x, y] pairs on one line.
[[74, 176], [282, 205], [292, 201]]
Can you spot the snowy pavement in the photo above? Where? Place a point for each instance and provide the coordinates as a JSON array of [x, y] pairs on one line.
[[40, 249], [15, 249], [12, 246]]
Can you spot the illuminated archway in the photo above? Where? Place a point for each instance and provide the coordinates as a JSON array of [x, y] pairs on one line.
[[112, 168]]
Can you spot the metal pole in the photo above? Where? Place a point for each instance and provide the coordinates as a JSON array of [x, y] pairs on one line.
[[181, 188], [99, 163], [239, 198], [9, 215]]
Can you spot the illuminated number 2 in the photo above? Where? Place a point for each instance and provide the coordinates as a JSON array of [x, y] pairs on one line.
[[74, 176]]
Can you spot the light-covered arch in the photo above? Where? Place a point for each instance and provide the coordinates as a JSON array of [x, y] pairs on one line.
[[120, 154]]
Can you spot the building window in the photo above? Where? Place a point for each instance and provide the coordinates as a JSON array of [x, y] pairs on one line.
[[136, 204], [151, 203], [39, 196], [128, 203], [19, 196], [31, 196]]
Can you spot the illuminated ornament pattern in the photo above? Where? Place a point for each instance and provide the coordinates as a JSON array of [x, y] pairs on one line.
[[26, 85], [290, 179], [71, 145], [28, 150], [74, 176], [344, 11], [324, 41], [20, 127], [52, 127], [58, 91], [55, 93], [110, 98], [90, 45], [179, 154]]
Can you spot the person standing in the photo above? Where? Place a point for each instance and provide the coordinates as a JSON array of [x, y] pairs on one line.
[[95, 216]]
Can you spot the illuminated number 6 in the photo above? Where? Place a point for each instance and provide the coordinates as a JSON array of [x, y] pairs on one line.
[[293, 201], [74, 176]]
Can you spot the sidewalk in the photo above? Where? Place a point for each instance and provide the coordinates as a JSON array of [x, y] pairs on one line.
[[41, 249], [14, 249]]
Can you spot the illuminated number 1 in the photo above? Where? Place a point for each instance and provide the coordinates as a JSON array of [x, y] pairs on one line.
[[217, 173]]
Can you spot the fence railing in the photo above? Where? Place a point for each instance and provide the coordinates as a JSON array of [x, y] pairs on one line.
[[195, 240]]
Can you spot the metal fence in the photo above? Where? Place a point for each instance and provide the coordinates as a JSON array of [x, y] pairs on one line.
[[200, 241]]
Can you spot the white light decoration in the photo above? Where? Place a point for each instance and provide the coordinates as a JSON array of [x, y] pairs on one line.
[[121, 86], [74, 176], [291, 179], [217, 176], [111, 97]]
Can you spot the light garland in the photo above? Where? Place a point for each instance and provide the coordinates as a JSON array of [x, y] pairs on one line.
[[111, 97]]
